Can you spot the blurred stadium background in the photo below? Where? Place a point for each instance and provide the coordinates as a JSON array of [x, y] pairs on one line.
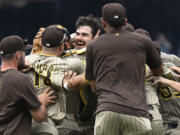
[[25, 17]]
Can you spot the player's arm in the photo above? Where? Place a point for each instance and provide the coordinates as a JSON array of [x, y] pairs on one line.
[[176, 69], [45, 98], [153, 59], [157, 71], [165, 82], [72, 81], [89, 72]]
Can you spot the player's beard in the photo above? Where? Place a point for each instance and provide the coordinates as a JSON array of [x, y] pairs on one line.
[[21, 62]]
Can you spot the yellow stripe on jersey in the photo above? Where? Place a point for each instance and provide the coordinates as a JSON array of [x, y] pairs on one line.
[[83, 100], [81, 51], [177, 94], [45, 54], [69, 54]]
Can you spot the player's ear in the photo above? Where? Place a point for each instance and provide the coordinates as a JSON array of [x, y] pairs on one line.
[[125, 21], [97, 34], [62, 46], [60, 49], [103, 23], [17, 54]]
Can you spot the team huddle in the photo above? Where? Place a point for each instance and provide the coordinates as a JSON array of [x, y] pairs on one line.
[[107, 78]]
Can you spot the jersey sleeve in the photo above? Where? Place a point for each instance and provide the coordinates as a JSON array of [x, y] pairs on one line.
[[175, 60], [89, 64], [76, 65], [153, 59]]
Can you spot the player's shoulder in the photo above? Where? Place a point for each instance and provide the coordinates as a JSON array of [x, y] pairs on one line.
[[143, 39], [32, 57], [96, 41], [44, 59], [20, 77], [170, 58], [73, 52], [69, 52]]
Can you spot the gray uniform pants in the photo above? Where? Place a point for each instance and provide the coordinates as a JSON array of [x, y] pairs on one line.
[[112, 123], [71, 123], [44, 128], [156, 122]]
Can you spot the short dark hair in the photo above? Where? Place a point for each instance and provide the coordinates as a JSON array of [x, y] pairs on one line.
[[90, 21], [7, 57], [114, 14]]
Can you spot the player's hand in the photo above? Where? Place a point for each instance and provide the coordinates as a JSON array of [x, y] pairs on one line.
[[46, 97], [69, 78], [163, 82], [177, 70], [150, 74]]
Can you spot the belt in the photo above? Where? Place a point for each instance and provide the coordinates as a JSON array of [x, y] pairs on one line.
[[172, 125], [150, 107]]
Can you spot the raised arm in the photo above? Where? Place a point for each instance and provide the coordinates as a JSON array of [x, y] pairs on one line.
[[165, 82]]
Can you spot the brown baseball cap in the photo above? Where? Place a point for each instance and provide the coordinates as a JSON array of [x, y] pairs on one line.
[[11, 44], [114, 14], [53, 37]]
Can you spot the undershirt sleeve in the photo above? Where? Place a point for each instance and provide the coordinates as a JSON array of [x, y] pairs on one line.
[[89, 64], [153, 58]]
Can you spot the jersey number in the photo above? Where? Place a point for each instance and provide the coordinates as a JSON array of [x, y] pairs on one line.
[[167, 93], [45, 80]]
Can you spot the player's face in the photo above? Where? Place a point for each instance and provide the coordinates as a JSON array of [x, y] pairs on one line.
[[21, 60], [83, 36]]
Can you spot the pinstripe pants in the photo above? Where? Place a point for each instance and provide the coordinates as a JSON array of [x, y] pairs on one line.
[[70, 123], [157, 122], [44, 128], [66, 125], [112, 123]]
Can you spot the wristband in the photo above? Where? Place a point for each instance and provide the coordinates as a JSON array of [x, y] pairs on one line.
[[65, 85]]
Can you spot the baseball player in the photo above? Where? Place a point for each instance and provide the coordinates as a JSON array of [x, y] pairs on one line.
[[170, 116], [169, 101], [48, 69], [119, 83], [87, 29], [152, 96], [153, 107]]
